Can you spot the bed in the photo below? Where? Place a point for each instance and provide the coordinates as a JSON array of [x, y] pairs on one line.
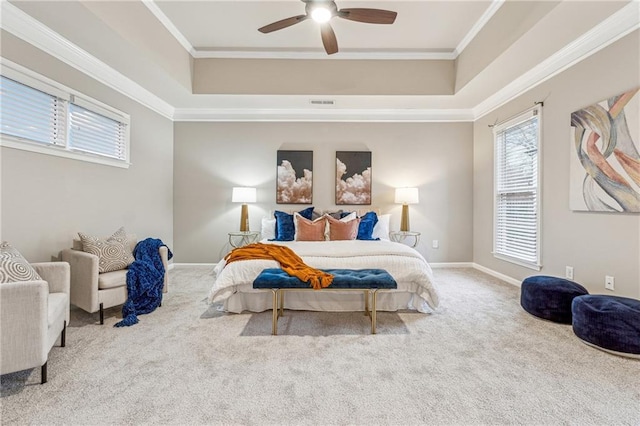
[[233, 285]]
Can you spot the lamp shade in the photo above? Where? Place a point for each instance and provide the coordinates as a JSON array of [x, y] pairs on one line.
[[407, 195], [243, 195]]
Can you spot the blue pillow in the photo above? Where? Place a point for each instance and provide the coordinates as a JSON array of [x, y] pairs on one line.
[[285, 228], [365, 230]]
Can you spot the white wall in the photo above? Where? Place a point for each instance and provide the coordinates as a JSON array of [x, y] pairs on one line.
[[211, 158], [595, 244], [47, 200]]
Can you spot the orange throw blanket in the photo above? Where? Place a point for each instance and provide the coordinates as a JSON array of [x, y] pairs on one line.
[[290, 262]]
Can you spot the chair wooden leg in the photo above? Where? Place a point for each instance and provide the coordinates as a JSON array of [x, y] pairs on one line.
[[63, 335], [43, 374], [101, 315]]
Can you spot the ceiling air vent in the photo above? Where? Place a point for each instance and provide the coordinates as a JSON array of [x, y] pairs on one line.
[[322, 102]]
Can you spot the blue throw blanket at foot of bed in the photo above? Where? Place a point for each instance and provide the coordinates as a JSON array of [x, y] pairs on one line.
[[145, 279]]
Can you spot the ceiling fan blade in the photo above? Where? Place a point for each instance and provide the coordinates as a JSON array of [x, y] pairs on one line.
[[329, 39], [284, 23], [369, 16]]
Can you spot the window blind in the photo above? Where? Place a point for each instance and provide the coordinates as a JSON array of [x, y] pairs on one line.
[[516, 189], [39, 115], [31, 114], [96, 134]]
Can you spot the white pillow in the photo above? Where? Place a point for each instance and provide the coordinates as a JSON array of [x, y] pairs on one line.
[[268, 228], [381, 230]]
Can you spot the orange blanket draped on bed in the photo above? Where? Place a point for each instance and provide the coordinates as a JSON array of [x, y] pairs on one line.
[[290, 262]]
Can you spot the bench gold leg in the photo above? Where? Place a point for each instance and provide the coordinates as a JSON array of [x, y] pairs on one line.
[[366, 303], [281, 302], [274, 327], [373, 312]]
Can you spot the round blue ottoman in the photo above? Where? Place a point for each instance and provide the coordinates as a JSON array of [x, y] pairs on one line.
[[610, 323], [550, 297]]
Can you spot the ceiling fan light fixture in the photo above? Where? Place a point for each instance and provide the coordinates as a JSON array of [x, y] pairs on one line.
[[322, 11], [321, 14]]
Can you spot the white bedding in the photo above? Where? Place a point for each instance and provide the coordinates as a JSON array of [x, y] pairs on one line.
[[234, 282]]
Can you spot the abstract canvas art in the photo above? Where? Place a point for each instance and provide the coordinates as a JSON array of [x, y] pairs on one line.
[[294, 177], [605, 159], [353, 178]]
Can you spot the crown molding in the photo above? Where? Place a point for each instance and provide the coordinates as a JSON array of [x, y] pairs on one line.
[[473, 32], [618, 25], [323, 115], [344, 55], [34, 32], [168, 24], [302, 54]]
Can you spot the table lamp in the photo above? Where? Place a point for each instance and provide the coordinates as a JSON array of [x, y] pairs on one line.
[[244, 195], [406, 196]]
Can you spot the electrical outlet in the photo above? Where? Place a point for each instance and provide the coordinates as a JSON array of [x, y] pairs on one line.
[[435, 244], [568, 272], [609, 283]]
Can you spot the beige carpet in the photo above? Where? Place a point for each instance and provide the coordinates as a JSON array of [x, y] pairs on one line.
[[480, 360]]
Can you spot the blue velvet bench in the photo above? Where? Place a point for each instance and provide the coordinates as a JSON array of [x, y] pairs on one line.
[[550, 297], [610, 323], [368, 281]]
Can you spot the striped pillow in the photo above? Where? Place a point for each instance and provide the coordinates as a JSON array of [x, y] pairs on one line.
[[114, 253], [14, 267]]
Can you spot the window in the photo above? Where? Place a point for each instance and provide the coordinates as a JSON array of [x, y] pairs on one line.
[[517, 190], [42, 116], [94, 133]]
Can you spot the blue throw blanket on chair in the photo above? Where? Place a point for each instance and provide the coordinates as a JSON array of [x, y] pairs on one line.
[[145, 279]]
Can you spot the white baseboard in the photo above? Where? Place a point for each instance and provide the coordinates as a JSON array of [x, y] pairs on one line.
[[498, 275], [196, 264], [452, 265]]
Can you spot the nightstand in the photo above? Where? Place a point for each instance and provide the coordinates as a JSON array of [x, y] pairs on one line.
[[402, 236], [242, 238]]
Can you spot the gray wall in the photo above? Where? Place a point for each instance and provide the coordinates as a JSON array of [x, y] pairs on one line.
[[595, 244], [46, 200], [211, 158]]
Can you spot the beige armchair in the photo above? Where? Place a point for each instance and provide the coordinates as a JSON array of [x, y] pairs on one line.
[[33, 314], [92, 291]]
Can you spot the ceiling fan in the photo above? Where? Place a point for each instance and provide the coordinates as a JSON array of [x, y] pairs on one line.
[[322, 11]]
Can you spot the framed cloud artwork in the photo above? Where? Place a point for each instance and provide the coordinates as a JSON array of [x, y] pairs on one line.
[[294, 183], [605, 159], [353, 177]]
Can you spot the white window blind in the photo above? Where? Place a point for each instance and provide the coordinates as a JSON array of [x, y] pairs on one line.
[[31, 114], [96, 134], [38, 114], [517, 202]]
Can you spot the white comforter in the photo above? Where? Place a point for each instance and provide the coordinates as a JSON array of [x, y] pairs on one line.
[[410, 270]]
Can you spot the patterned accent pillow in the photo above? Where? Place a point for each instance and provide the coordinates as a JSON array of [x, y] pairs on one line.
[[114, 253], [14, 267]]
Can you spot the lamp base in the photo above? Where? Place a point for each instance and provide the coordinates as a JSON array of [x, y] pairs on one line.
[[244, 218], [404, 222]]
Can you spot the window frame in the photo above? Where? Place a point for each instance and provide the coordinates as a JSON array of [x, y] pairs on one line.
[[526, 115], [44, 84]]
